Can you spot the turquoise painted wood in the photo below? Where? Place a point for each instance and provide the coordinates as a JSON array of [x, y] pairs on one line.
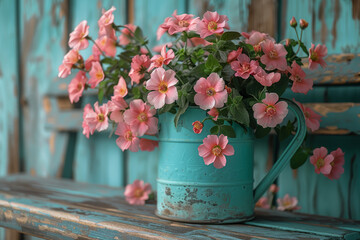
[[62, 209], [9, 96], [189, 191]]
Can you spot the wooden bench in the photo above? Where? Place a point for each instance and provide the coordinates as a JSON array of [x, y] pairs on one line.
[[63, 209]]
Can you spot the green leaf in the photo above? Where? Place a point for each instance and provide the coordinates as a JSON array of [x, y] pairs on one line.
[[212, 65], [199, 71], [223, 56], [230, 36], [254, 88], [279, 87], [261, 132], [214, 130], [180, 112], [139, 34], [101, 94], [211, 38], [228, 131], [285, 131], [303, 47], [165, 108], [300, 157], [240, 114], [136, 92]]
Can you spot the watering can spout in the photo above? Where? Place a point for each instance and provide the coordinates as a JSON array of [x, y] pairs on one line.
[[285, 157]]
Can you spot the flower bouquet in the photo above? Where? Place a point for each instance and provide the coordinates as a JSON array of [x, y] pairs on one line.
[[236, 80]]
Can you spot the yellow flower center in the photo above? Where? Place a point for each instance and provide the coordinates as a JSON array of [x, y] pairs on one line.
[[100, 117], [212, 26], [183, 23], [273, 54], [216, 150], [314, 56], [121, 91], [320, 163], [210, 91], [198, 125], [270, 110], [159, 61], [138, 193], [99, 75], [142, 117], [79, 86], [298, 79], [163, 87], [128, 136]]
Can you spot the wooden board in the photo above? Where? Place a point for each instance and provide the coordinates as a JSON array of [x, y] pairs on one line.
[[60, 209]]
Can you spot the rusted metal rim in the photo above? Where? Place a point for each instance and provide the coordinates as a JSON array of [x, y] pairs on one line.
[[212, 221]]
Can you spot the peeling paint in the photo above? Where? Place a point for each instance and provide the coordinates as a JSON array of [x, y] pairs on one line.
[[337, 10], [355, 9], [324, 109]]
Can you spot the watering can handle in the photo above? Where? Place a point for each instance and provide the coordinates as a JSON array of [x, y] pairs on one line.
[[286, 155]]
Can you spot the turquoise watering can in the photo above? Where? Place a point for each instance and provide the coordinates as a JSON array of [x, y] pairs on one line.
[[190, 191]]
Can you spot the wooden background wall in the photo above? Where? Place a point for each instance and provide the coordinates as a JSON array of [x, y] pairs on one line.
[[40, 132]]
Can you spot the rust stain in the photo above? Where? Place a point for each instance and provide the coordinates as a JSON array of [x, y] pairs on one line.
[[99, 4], [47, 104], [321, 17], [62, 86], [325, 108], [356, 9], [358, 115], [8, 215], [13, 149], [266, 23], [27, 41], [337, 9], [52, 143], [64, 103], [332, 130], [340, 58], [32, 172]]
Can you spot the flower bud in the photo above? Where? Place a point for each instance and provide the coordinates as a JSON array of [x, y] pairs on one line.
[[229, 90], [287, 42], [197, 127], [303, 24], [293, 22], [274, 188]]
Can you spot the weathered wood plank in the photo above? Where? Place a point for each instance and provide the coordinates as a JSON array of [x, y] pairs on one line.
[[60, 209], [43, 28]]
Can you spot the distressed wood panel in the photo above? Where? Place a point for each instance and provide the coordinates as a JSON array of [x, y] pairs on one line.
[[98, 159], [59, 209], [9, 97], [43, 28]]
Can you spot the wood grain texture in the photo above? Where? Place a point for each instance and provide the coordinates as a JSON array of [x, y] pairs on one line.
[[60, 209]]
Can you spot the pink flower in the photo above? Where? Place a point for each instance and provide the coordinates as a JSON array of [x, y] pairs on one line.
[[127, 138], [212, 23], [287, 203], [210, 92], [163, 85], [214, 113], [197, 127], [107, 45], [196, 41], [312, 119], [121, 89], [158, 48], [321, 160], [107, 17], [273, 188], [137, 193], [263, 202], [78, 39], [232, 56], [69, 60], [96, 74], [214, 149], [267, 79], [141, 118], [177, 24], [76, 86], [316, 56], [255, 38], [274, 56], [90, 60], [98, 119], [116, 106], [244, 67], [165, 58], [127, 34], [300, 84], [337, 164], [148, 145], [86, 129], [139, 64], [270, 112]]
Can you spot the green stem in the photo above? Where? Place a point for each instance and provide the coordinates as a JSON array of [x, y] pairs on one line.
[[182, 82], [89, 38]]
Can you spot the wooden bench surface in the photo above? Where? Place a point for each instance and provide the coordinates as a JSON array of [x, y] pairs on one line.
[[63, 209]]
